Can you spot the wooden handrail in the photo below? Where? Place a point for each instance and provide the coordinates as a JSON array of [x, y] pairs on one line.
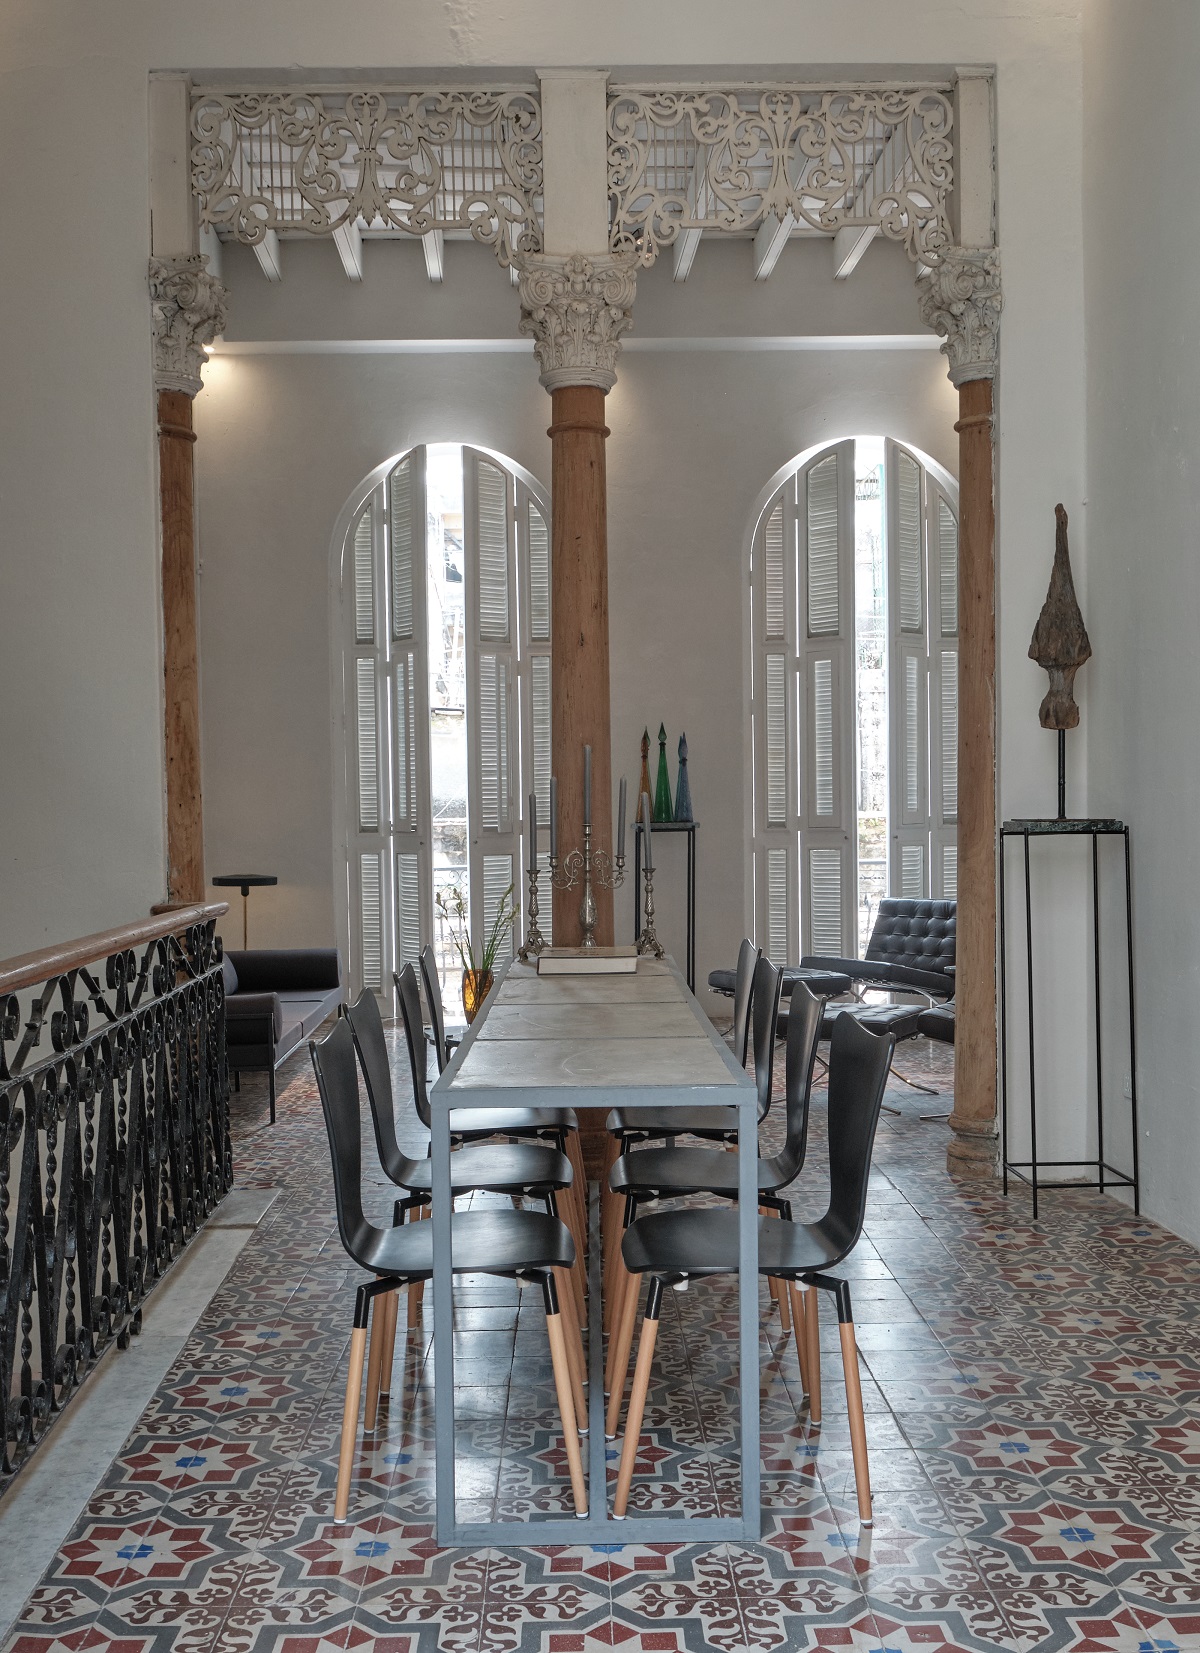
[[28, 969]]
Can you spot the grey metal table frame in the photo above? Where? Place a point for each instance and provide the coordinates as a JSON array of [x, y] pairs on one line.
[[1031, 1171], [599, 1526]]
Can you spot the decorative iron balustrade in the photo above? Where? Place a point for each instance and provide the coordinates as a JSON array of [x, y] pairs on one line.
[[439, 159], [834, 157], [114, 1147]]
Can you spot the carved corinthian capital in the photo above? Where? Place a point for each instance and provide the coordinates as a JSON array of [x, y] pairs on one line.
[[575, 309], [189, 312], [960, 299]]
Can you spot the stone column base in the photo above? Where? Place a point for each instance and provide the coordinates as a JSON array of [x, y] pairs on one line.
[[974, 1148]]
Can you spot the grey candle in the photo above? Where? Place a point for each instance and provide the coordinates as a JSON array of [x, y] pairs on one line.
[[645, 813], [533, 832], [553, 818], [621, 823], [587, 786]]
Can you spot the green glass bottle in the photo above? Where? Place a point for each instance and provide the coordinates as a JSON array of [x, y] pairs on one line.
[[663, 809]]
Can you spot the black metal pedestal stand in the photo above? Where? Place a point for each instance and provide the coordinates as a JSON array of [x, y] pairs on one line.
[[669, 826]]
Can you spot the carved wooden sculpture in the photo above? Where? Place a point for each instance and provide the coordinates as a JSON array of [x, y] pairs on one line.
[[1060, 641]]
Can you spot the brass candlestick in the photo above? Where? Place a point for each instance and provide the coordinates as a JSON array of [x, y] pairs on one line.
[[582, 868], [535, 941], [648, 941]]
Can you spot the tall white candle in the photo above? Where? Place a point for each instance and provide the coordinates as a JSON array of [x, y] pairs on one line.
[[533, 832], [553, 818], [587, 786], [621, 823], [645, 811]]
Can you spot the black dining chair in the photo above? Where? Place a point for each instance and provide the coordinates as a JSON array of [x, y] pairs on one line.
[[444, 1044], [674, 1246], [530, 1169], [517, 1245]]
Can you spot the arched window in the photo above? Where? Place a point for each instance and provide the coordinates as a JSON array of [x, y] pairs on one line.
[[444, 603], [855, 694]]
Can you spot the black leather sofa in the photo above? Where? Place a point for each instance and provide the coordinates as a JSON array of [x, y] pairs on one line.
[[274, 999]]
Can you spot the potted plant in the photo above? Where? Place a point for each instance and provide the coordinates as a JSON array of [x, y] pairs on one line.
[[477, 976]]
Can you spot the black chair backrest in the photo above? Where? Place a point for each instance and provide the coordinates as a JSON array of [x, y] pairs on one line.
[[366, 1026], [768, 983], [859, 1063], [743, 988], [803, 1034], [337, 1080], [409, 995], [433, 998], [919, 935]]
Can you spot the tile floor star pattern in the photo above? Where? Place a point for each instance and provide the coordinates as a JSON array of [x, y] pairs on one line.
[[1032, 1405]]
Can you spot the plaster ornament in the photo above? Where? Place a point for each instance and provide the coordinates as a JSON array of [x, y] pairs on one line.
[[960, 299], [189, 308], [1060, 641], [575, 310]]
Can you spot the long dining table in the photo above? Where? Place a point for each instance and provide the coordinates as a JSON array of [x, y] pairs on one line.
[[594, 1041]]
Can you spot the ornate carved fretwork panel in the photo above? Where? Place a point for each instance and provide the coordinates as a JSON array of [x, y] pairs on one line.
[[444, 159], [831, 157]]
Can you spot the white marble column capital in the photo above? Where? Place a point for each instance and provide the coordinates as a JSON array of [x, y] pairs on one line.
[[189, 310], [576, 308], [960, 299]]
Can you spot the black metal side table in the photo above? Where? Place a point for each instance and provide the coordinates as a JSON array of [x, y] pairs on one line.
[[1029, 1171], [655, 829]]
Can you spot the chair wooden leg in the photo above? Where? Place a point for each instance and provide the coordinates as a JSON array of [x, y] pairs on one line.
[[379, 1319], [858, 1423], [574, 1346], [391, 1309], [799, 1331], [618, 1352], [358, 1348], [566, 1406], [416, 1292], [814, 1354], [782, 1295], [637, 1400]]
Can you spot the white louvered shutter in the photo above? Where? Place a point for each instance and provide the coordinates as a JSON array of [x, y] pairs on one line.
[[827, 816], [412, 838], [908, 676], [365, 709], [533, 683], [943, 692], [774, 711], [489, 533]]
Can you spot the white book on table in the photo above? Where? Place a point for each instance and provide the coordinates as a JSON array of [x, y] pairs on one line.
[[588, 961]]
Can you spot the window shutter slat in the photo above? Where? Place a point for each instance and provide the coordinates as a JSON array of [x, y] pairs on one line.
[[912, 871], [908, 549], [950, 872], [497, 877], [912, 734], [948, 573], [539, 578], [824, 617], [825, 883], [401, 525], [776, 697], [406, 744], [540, 674], [364, 576], [949, 699], [408, 907], [368, 745], [773, 560], [493, 553], [777, 906], [822, 713], [371, 920]]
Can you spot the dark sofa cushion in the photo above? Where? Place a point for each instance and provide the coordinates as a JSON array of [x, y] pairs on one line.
[[287, 969]]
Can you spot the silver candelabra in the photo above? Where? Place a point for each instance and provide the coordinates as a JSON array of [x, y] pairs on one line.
[[535, 941], [648, 942], [587, 867]]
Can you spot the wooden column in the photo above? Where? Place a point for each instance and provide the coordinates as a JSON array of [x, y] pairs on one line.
[[185, 823], [972, 1148], [579, 641]]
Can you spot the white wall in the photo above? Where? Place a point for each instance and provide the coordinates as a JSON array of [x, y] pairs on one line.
[[696, 434], [1143, 243], [81, 824]]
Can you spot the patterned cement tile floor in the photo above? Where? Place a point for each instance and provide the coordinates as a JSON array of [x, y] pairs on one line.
[[1032, 1394]]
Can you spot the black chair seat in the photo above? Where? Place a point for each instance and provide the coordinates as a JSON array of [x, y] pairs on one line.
[[938, 1023], [826, 984], [676, 1244], [497, 1168], [469, 1122], [716, 1122], [482, 1242], [901, 1020], [661, 1173]]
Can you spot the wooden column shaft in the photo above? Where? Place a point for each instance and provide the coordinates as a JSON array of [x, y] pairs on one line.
[[185, 827], [974, 1118]]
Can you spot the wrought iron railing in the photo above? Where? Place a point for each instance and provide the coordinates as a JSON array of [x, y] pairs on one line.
[[114, 1146]]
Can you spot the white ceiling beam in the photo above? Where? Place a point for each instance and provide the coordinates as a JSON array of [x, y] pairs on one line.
[[347, 238], [849, 244], [770, 241], [267, 253], [435, 254]]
